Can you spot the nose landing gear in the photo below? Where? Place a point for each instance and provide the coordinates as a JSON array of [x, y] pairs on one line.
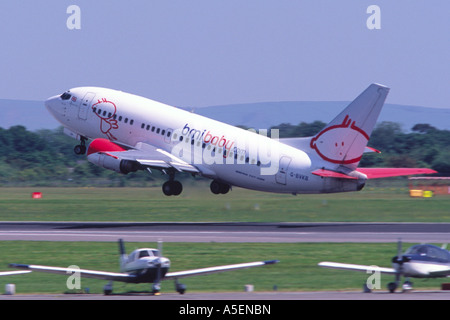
[[80, 148]]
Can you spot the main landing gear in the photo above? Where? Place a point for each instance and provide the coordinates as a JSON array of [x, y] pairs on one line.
[[80, 148], [218, 187], [172, 187]]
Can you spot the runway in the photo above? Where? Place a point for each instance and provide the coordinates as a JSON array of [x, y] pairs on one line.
[[232, 232], [225, 232], [261, 297]]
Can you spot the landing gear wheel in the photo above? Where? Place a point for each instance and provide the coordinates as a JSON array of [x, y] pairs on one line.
[[219, 187], [172, 188], [407, 286], [107, 289], [79, 149], [180, 288], [392, 286], [156, 288]]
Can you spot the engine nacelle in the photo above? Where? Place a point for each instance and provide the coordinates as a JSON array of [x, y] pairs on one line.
[[110, 162]]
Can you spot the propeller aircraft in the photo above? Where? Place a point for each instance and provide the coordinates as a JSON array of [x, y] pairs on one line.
[[144, 265], [419, 261]]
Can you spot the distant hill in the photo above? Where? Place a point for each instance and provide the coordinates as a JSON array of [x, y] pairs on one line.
[[267, 114], [33, 115]]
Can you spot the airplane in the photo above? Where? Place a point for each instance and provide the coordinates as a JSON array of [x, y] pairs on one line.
[[144, 265], [131, 133], [419, 261]]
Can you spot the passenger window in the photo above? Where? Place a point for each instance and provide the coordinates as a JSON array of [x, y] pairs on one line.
[[126, 120], [131, 122], [120, 118]]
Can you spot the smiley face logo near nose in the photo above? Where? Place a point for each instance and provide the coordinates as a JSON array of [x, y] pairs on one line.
[[106, 111]]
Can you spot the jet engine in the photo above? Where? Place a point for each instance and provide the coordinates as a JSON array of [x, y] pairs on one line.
[[104, 153]]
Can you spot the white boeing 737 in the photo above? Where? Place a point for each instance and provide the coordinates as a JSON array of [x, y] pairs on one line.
[[133, 133]]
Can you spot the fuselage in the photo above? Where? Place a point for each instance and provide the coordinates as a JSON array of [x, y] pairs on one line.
[[145, 264], [422, 260], [229, 154]]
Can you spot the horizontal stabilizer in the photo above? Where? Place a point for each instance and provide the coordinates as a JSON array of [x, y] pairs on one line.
[[331, 174], [374, 173]]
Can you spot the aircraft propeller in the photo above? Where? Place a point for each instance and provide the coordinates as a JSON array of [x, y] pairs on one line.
[[398, 262], [157, 284]]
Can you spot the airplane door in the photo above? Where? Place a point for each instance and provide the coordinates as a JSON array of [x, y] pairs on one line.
[[280, 177], [85, 104]]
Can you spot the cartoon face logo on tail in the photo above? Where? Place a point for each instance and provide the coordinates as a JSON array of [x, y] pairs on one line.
[[341, 144], [106, 111]]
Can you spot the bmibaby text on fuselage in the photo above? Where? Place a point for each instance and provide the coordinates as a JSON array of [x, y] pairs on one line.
[[132, 133]]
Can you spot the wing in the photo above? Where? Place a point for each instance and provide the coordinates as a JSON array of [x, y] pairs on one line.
[[110, 155], [11, 273], [102, 275], [196, 272], [373, 173], [356, 267]]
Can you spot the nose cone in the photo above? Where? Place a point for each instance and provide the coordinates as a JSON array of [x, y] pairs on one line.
[[55, 106]]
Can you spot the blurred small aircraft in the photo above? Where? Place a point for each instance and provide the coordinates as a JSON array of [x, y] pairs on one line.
[[419, 261], [145, 265], [12, 273]]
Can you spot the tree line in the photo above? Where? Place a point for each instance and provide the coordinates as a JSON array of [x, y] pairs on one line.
[[46, 157]]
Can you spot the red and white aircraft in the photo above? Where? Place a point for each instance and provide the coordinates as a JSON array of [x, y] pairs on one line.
[[133, 133]]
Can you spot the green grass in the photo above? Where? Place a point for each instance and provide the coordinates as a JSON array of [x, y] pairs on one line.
[[296, 271], [199, 204]]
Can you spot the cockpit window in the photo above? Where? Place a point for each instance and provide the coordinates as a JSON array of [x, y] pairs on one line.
[[143, 253], [430, 251], [65, 96]]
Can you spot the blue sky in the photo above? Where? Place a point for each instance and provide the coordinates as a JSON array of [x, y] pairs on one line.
[[212, 52]]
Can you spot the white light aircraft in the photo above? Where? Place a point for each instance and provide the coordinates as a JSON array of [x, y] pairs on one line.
[[145, 265], [419, 261], [12, 273], [133, 133]]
